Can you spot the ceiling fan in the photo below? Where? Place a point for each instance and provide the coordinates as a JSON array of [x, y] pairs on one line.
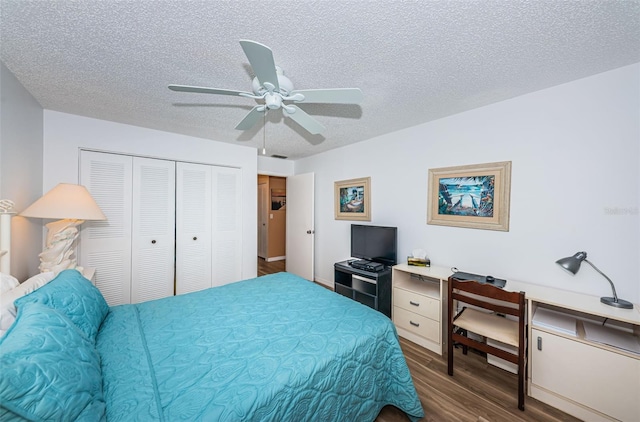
[[276, 90]]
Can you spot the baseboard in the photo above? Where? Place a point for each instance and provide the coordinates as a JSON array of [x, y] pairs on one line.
[[566, 405], [276, 258], [325, 283]]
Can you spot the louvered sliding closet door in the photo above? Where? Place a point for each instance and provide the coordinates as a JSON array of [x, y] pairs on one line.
[[106, 245], [193, 227], [153, 229], [227, 225]]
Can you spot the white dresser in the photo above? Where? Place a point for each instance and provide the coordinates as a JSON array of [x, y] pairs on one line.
[[419, 304]]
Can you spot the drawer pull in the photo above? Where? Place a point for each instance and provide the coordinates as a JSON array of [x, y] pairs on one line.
[[415, 324], [539, 343], [411, 302]]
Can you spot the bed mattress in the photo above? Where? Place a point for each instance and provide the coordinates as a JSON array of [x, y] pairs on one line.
[[274, 348]]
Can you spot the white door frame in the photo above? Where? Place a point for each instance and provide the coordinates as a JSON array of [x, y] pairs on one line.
[[263, 220]]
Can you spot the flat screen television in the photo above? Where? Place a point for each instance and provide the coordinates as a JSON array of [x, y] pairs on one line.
[[375, 243]]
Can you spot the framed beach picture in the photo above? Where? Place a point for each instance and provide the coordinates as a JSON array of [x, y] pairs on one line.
[[353, 199], [475, 196]]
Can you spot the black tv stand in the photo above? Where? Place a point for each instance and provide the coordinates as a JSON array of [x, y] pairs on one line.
[[371, 288]]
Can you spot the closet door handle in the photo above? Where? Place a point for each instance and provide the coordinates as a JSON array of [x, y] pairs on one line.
[[153, 241], [539, 343], [195, 238]]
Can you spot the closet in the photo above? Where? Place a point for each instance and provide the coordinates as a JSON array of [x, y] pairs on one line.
[[208, 227], [171, 227]]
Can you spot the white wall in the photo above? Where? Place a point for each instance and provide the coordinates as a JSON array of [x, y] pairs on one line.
[[21, 169], [275, 166], [65, 135], [575, 152]]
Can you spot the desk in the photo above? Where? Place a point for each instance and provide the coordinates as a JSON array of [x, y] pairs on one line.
[[590, 380], [593, 381]]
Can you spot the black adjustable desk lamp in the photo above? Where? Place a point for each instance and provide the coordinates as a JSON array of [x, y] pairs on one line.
[[572, 264]]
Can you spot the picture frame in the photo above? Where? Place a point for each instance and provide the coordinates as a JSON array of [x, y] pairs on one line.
[[473, 196], [352, 199]]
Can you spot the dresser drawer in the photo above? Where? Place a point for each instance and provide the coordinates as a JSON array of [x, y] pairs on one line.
[[417, 324], [417, 303]]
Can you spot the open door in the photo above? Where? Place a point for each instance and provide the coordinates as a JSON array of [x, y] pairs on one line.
[[300, 225], [263, 211]]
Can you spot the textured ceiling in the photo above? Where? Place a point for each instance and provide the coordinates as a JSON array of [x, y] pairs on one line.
[[415, 61]]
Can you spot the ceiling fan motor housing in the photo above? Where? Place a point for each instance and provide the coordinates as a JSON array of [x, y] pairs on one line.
[[286, 86]]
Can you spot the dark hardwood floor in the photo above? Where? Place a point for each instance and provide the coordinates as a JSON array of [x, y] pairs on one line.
[[478, 392], [265, 267]]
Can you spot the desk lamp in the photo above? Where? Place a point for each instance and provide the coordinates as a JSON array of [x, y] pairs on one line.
[[72, 204], [572, 264]]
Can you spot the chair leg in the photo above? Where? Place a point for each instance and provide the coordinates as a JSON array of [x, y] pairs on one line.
[[465, 348], [450, 359], [450, 354], [521, 378]]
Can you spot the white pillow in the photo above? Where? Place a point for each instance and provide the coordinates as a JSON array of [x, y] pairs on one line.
[[7, 282], [7, 309]]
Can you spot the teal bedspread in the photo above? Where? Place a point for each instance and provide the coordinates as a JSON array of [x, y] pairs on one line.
[[274, 348]]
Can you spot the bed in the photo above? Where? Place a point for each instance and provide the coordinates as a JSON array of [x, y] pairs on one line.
[[273, 348]]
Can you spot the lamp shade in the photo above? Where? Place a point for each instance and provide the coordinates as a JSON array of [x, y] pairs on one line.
[[65, 201], [572, 263]]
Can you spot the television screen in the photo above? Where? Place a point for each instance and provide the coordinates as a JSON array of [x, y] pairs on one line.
[[374, 243]]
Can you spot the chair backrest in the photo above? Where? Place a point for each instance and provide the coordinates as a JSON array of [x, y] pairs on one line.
[[487, 296], [490, 325]]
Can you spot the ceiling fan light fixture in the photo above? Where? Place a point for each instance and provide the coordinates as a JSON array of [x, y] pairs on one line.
[[273, 101]]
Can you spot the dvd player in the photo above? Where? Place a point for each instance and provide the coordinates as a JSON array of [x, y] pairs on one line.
[[365, 265]]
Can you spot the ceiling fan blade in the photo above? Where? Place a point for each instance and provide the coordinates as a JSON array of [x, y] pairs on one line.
[[334, 96], [303, 119], [203, 90], [252, 118], [261, 58]]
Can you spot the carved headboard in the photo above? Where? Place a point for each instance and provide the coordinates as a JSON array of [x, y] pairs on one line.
[[5, 235]]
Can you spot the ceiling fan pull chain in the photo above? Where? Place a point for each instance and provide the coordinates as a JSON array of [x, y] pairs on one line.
[[264, 133]]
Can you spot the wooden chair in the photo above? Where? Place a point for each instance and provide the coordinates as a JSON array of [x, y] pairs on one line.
[[493, 325]]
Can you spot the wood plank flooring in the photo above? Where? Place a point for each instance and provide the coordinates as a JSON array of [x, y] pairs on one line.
[[477, 391], [265, 267]]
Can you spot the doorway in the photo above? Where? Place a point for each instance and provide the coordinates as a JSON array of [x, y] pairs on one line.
[[271, 224], [289, 221], [265, 267]]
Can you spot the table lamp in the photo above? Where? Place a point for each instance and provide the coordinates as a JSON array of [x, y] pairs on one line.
[[572, 264], [72, 204]]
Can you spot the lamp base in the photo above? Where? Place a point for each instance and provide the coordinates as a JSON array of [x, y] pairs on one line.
[[621, 303], [58, 253]]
